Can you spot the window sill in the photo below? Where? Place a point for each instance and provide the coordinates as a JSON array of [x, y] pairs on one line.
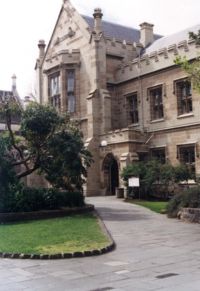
[[157, 120], [133, 125], [185, 115]]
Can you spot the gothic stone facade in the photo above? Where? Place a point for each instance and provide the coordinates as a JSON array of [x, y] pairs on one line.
[[132, 101]]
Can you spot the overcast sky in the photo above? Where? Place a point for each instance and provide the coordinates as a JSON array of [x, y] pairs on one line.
[[24, 22]]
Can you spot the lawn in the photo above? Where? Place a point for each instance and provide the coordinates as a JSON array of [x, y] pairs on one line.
[[50, 236], [156, 206]]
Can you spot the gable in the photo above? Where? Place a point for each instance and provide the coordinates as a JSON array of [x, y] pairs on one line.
[[69, 28]]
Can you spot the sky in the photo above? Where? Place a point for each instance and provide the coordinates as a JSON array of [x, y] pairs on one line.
[[24, 22]]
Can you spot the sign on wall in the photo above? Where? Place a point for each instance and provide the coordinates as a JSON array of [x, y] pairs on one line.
[[134, 182]]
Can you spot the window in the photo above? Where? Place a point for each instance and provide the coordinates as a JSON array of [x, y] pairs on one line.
[[54, 90], [71, 91], [184, 96], [132, 108], [156, 103], [158, 154], [186, 155]]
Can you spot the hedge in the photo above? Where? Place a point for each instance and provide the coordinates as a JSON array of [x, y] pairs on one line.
[[189, 198], [35, 199]]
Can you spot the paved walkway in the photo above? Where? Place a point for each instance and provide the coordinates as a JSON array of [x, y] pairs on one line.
[[153, 253]]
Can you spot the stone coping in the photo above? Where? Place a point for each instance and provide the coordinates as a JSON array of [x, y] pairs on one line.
[[190, 215], [95, 252], [43, 214]]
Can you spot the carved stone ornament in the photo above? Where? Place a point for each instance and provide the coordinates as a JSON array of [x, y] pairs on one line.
[[70, 34]]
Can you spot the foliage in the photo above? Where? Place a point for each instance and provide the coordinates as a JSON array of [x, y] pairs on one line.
[[8, 180], [188, 198], [34, 199], [156, 177], [53, 236], [50, 144], [195, 36], [67, 160], [182, 173], [192, 68]]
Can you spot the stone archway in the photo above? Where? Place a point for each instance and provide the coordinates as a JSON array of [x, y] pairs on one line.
[[111, 174]]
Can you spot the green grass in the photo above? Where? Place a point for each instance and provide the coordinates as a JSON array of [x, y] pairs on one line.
[[156, 206], [50, 236]]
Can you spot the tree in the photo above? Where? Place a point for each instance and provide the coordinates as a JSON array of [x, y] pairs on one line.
[[156, 177], [8, 180], [49, 144], [192, 68]]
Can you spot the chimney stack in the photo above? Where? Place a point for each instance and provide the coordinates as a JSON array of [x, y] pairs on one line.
[[97, 20], [41, 46], [14, 85], [146, 33]]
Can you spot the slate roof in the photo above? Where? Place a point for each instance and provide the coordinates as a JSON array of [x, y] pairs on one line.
[[4, 93], [117, 31], [11, 95], [175, 38]]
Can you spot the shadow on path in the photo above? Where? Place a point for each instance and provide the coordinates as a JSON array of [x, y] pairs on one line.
[[110, 214]]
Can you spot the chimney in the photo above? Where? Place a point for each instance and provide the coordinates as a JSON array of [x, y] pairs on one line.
[[97, 20], [41, 46], [14, 86], [146, 33]]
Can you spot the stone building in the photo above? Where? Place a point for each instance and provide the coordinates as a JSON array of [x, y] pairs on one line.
[[13, 96], [121, 83]]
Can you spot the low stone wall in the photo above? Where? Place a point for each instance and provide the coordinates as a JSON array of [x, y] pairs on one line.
[[44, 214], [190, 214]]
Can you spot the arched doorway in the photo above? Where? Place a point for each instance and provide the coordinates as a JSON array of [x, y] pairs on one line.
[[111, 174]]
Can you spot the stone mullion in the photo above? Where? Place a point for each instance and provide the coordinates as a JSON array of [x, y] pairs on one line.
[[63, 90]]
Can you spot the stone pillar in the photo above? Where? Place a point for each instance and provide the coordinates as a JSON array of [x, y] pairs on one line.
[[41, 46]]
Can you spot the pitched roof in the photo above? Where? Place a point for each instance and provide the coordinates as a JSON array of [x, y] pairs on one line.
[[10, 95], [175, 38], [117, 31], [4, 93]]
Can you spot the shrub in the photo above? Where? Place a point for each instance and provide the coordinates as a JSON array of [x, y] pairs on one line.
[[29, 199], [9, 184], [156, 179], [189, 198]]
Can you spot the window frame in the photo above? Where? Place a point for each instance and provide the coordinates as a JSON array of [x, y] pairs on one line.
[[184, 103], [54, 97], [156, 110], [132, 110], [163, 159], [70, 94], [190, 163]]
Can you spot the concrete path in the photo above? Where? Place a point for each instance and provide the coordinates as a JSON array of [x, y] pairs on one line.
[[153, 253]]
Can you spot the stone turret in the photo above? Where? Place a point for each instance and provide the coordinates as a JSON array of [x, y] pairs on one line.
[[97, 20], [146, 33]]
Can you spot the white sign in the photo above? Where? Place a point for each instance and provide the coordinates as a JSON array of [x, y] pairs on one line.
[[134, 182]]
